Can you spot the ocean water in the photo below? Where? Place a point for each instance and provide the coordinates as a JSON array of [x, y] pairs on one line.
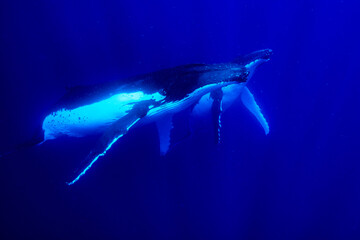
[[302, 181]]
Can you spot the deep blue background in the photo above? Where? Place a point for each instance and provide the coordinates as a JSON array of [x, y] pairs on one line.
[[302, 181]]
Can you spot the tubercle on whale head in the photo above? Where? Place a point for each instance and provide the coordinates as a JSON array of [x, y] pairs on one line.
[[241, 69], [264, 54], [255, 59], [223, 73], [236, 73]]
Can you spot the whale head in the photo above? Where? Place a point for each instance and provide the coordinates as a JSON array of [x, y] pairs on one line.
[[253, 60]]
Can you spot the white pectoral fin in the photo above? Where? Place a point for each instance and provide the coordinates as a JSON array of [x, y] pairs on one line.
[[250, 103], [231, 93], [116, 131], [217, 96], [210, 105], [203, 106], [164, 127]]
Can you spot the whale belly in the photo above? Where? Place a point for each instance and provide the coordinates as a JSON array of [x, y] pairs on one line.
[[82, 121], [170, 108], [93, 118]]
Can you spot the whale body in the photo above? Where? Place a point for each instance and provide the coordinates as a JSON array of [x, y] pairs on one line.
[[111, 109]]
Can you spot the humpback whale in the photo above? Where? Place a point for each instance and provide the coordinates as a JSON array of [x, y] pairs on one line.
[[112, 109]]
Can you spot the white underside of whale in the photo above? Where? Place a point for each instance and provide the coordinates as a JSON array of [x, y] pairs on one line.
[[96, 117], [230, 94], [109, 116]]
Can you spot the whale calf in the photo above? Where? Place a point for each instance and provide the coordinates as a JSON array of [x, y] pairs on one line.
[[112, 109]]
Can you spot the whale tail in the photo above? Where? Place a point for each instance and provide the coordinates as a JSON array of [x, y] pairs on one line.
[[36, 140]]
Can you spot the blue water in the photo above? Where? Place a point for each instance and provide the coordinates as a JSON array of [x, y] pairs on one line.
[[302, 181]]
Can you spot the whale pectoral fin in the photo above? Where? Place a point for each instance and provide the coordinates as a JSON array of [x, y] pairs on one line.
[[203, 106], [116, 131], [216, 111], [231, 93], [200, 110], [210, 103], [250, 103], [164, 126]]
